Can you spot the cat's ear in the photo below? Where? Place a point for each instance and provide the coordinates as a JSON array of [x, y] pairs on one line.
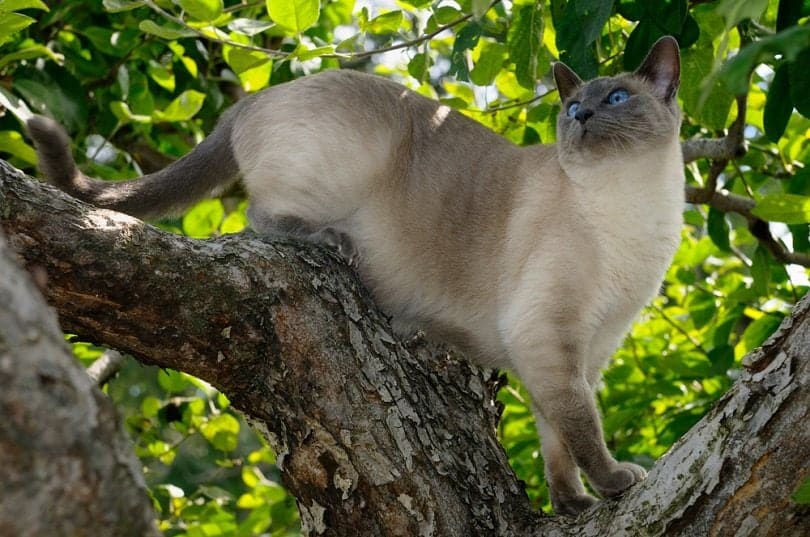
[[566, 80], [662, 67]]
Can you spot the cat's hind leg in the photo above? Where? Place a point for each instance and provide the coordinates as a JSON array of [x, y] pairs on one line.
[[293, 226]]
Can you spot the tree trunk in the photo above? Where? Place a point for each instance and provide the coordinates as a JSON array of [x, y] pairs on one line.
[[66, 465], [374, 437]]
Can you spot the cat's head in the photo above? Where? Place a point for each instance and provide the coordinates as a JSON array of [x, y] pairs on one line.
[[621, 115]]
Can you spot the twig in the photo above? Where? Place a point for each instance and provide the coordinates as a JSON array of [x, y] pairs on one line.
[[729, 147], [518, 104], [685, 333], [728, 202], [107, 365], [177, 20], [337, 55], [722, 151]]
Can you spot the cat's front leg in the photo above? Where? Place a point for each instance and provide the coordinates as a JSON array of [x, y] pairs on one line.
[[564, 400], [568, 496], [547, 351]]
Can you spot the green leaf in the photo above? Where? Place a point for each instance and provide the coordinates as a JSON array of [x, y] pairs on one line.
[[705, 98], [761, 270], [418, 66], [578, 24], [735, 11], [252, 67], [173, 381], [788, 44], [466, 39], [523, 40], [641, 38], [303, 53], [801, 237], [26, 54], [718, 229], [12, 142], [235, 222], [779, 105], [204, 219], [11, 23], [161, 74], [116, 6], [799, 75], [759, 330], [788, 13], [387, 23], [702, 308], [802, 493], [204, 10], [294, 16], [722, 359], [169, 31], [182, 108], [787, 208], [221, 431], [16, 105], [249, 27], [56, 91], [17, 5], [489, 64], [150, 406], [479, 8], [122, 112]]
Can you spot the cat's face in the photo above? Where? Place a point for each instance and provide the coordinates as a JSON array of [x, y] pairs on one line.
[[622, 115]]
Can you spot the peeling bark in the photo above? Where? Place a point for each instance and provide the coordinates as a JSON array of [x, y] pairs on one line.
[[373, 437]]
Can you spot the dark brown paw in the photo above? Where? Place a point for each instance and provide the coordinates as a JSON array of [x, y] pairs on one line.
[[621, 478]]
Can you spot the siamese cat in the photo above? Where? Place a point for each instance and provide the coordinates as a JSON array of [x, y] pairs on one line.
[[535, 259]]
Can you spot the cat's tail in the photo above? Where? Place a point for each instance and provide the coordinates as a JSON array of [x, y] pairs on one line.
[[207, 168]]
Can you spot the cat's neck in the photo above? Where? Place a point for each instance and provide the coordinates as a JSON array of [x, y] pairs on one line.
[[655, 169]]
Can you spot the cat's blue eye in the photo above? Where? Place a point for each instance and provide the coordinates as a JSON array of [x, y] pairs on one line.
[[618, 96], [572, 109]]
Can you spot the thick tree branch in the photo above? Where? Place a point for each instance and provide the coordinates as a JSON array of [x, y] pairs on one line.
[[374, 438]]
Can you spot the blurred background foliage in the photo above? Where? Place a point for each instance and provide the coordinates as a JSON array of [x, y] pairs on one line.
[[139, 83]]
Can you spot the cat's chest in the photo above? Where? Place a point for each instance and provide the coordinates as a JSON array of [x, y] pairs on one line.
[[635, 219]]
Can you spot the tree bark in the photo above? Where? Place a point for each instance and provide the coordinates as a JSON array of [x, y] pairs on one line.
[[375, 437], [66, 465]]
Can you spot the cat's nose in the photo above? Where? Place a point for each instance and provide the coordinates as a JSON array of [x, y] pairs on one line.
[[583, 114]]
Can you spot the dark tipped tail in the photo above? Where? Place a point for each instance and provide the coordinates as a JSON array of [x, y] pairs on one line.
[[206, 169], [53, 149]]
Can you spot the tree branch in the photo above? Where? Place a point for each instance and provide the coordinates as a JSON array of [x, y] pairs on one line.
[[729, 147], [722, 151], [374, 438]]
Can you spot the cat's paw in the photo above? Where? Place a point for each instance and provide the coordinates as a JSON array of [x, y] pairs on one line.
[[341, 243], [571, 505], [620, 478]]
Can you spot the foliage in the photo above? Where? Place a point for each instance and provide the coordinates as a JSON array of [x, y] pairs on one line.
[[138, 82]]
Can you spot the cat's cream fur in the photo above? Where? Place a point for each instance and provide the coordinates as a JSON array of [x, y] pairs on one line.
[[535, 259]]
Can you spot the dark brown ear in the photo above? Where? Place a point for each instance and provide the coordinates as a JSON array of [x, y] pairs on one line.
[[566, 80], [662, 67]]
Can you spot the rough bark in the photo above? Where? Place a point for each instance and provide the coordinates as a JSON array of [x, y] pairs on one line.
[[66, 466], [376, 438]]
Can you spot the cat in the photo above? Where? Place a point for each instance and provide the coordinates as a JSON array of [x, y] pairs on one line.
[[535, 259]]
